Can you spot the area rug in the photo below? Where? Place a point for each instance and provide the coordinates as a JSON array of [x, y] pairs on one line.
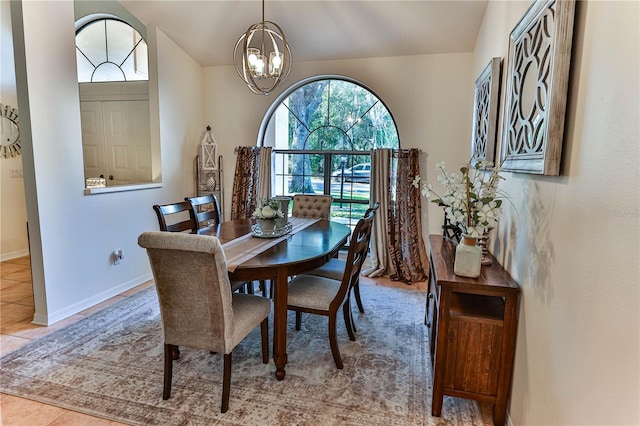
[[110, 365]]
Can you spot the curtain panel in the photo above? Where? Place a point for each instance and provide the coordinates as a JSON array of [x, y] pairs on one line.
[[251, 181], [245, 188], [406, 245], [398, 249]]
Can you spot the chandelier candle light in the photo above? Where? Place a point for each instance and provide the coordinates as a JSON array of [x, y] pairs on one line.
[[262, 57], [473, 203]]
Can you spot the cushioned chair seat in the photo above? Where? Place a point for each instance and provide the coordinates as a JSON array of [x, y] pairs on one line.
[[312, 292], [333, 269], [248, 311]]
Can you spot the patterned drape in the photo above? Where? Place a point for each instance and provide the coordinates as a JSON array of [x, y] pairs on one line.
[[406, 245], [245, 182], [381, 263]]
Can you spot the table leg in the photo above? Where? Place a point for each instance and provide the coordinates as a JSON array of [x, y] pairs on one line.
[[280, 322], [439, 364]]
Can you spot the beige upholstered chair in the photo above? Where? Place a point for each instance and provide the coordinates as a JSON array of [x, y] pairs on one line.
[[313, 206], [324, 296], [178, 215], [197, 306], [206, 210], [334, 269]]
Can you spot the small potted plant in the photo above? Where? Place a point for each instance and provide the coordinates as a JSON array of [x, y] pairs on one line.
[[267, 215]]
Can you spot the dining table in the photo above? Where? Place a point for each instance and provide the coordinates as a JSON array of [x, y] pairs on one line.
[[251, 257]]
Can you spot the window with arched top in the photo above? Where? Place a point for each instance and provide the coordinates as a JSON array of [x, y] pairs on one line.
[[113, 79], [108, 49], [322, 130]]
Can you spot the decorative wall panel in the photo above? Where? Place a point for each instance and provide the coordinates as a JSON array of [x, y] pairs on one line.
[[485, 112], [536, 92]]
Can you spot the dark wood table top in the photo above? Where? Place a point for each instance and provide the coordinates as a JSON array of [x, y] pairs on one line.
[[303, 251]]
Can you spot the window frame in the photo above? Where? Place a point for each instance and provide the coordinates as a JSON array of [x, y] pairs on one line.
[[262, 134]]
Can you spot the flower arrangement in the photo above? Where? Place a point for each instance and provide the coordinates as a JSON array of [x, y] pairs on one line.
[[269, 209], [472, 199]]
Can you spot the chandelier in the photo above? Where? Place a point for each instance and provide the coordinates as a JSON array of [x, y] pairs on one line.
[[262, 56]]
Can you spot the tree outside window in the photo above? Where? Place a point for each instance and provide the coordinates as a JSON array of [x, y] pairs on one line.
[[322, 132]]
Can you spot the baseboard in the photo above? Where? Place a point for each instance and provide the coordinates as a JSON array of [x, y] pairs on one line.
[[52, 318], [14, 255]]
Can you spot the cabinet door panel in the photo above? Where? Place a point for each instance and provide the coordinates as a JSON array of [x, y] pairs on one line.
[[473, 356]]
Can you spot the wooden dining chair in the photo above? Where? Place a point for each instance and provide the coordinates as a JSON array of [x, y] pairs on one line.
[[197, 307], [324, 296], [312, 206], [206, 210], [181, 210], [334, 269], [176, 217]]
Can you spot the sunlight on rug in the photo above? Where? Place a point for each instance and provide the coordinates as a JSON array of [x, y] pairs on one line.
[[110, 365]]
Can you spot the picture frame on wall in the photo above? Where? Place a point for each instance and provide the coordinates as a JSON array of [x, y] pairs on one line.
[[486, 101], [536, 88]]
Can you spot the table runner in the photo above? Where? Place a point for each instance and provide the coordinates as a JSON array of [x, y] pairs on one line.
[[243, 248]]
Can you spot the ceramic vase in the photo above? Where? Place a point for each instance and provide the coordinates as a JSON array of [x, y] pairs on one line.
[[468, 258], [267, 225]]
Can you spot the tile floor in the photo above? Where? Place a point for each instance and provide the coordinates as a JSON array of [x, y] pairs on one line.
[[16, 313]]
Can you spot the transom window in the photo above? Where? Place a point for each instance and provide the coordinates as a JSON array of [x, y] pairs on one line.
[[322, 130], [110, 50]]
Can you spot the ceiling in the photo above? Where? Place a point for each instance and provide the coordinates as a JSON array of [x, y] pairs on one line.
[[317, 30]]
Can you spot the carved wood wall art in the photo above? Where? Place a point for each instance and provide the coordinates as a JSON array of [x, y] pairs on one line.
[[485, 112], [536, 91]]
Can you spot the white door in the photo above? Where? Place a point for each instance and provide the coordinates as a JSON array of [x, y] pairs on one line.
[[116, 141], [95, 163], [127, 142]]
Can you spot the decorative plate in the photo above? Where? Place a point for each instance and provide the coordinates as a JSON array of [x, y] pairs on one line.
[[258, 232]]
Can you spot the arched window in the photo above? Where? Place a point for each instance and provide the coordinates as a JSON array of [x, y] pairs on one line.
[[113, 76], [108, 49], [322, 130]]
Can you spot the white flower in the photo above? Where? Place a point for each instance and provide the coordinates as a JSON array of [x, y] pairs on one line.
[[426, 190], [416, 181], [486, 212], [268, 212], [268, 209], [475, 231], [471, 199]]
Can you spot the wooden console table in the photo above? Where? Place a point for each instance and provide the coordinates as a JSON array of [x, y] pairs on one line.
[[472, 330]]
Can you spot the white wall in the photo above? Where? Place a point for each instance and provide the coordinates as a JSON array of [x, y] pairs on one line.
[[73, 235], [13, 207], [571, 242], [428, 95]]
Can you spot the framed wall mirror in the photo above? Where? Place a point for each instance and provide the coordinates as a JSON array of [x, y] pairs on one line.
[[9, 132]]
